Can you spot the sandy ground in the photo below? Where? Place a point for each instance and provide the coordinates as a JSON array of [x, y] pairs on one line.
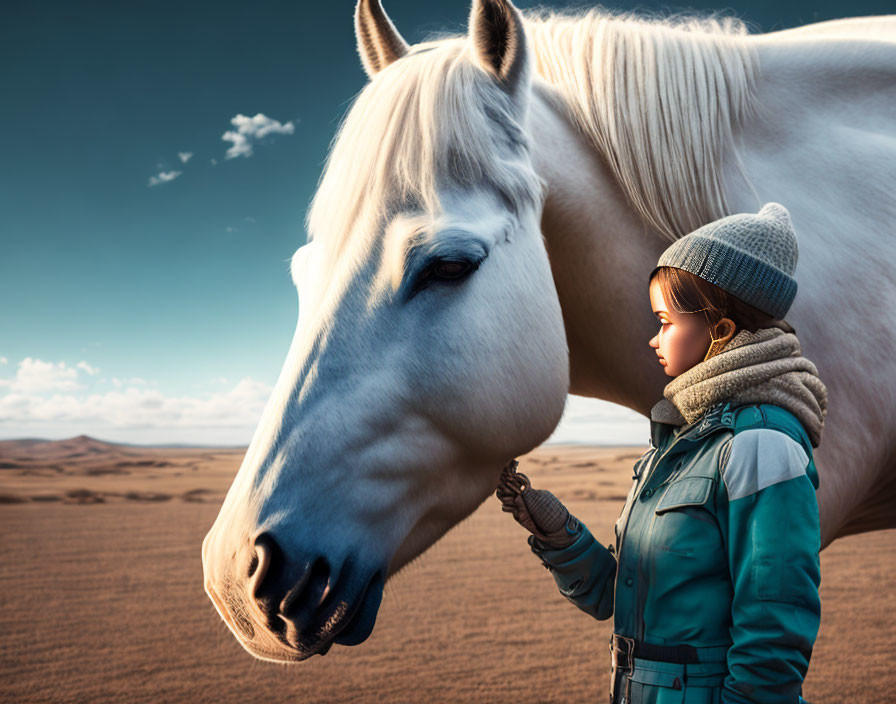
[[101, 595]]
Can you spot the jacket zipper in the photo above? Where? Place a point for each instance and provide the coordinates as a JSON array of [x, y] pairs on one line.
[[646, 473], [645, 476]]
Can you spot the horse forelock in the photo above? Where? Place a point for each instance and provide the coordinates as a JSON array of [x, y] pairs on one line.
[[429, 121]]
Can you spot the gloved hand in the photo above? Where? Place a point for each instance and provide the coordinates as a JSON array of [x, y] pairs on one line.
[[537, 510]]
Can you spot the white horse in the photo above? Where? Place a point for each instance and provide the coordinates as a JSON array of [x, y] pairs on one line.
[[479, 246]]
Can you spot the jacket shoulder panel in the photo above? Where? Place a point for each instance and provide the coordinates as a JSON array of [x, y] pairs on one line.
[[761, 457], [768, 415]]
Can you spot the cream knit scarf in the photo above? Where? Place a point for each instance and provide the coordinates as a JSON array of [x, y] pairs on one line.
[[762, 367]]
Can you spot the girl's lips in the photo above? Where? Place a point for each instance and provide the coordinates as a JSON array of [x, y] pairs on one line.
[[662, 361]]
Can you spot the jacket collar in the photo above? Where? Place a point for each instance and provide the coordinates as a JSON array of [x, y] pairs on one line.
[[717, 416]]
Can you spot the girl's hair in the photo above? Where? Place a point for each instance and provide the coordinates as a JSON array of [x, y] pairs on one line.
[[688, 293]]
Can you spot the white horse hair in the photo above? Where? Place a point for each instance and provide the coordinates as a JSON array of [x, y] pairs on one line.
[[436, 108], [479, 246], [659, 98]]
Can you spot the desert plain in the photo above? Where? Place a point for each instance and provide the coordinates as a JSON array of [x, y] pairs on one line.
[[101, 596]]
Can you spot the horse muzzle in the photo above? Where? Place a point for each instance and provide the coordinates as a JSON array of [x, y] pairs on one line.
[[287, 607]]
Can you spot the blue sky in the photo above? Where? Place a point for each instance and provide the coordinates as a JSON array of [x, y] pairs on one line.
[[162, 313]]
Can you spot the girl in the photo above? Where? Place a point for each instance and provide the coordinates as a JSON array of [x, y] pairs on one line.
[[713, 580]]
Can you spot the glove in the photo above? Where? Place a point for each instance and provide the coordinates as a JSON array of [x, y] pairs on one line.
[[537, 510]]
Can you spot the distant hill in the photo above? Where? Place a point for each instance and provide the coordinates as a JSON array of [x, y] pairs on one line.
[[71, 448], [85, 470], [81, 447]]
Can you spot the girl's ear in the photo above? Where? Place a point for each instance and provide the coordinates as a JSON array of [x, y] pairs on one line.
[[725, 330], [720, 335]]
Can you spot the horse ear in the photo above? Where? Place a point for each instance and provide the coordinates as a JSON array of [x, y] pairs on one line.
[[499, 40], [379, 43]]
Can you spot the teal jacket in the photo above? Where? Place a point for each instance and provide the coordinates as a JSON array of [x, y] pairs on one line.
[[716, 547]]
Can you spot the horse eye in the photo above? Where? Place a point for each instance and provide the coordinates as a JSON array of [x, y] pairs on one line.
[[450, 269], [445, 270]]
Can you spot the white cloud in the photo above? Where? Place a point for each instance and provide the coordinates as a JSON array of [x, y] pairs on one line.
[[35, 376], [46, 399], [132, 381], [4, 360], [184, 156], [214, 162], [85, 367], [134, 413], [163, 177], [250, 130]]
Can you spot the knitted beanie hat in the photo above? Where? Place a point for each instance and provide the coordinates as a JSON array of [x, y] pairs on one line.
[[750, 256]]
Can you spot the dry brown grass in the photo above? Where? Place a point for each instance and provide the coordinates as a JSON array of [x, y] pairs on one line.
[[102, 599]]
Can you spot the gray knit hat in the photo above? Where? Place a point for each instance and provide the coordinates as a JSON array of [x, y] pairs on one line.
[[750, 256]]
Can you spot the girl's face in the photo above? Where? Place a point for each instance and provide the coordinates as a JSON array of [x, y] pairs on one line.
[[683, 338]]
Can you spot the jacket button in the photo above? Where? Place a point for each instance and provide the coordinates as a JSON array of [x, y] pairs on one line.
[[629, 581], [646, 494]]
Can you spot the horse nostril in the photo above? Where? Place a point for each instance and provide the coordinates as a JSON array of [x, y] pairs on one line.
[[319, 582], [266, 558], [284, 586], [309, 590]]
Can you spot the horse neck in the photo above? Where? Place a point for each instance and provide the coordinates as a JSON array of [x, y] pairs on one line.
[[621, 183], [601, 255]]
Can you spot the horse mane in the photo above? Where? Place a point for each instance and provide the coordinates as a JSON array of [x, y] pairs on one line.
[[659, 98]]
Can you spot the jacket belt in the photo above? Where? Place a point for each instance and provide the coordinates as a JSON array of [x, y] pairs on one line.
[[625, 650]]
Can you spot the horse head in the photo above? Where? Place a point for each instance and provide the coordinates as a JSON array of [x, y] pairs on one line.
[[429, 350]]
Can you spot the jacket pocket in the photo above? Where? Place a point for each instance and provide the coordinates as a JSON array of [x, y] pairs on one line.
[[690, 491], [685, 527], [657, 683]]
